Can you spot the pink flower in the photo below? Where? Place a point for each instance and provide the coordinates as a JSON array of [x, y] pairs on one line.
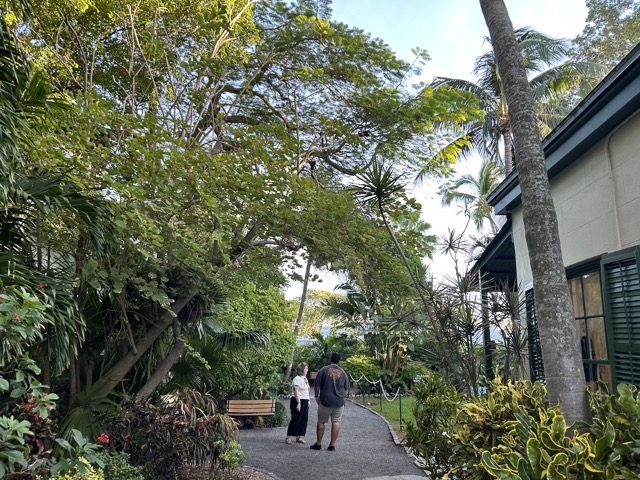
[[103, 438], [41, 285], [16, 316]]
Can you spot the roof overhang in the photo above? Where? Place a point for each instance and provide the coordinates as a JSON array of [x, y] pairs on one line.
[[496, 266], [614, 99]]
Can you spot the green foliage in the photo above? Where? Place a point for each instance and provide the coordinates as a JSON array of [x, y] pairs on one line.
[[360, 366], [117, 467], [82, 471], [483, 421], [513, 433], [412, 374], [163, 439], [313, 317], [436, 405], [23, 319], [26, 429], [318, 353], [280, 418], [77, 451], [611, 31], [543, 447], [13, 452], [622, 413], [230, 457]]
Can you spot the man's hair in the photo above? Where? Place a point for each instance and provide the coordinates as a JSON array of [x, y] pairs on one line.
[[335, 357]]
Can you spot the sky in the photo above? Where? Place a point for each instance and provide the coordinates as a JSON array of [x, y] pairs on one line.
[[453, 33]]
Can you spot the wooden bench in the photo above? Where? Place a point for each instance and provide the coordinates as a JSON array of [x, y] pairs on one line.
[[251, 408]]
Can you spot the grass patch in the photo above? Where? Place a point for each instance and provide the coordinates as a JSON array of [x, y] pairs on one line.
[[391, 410]]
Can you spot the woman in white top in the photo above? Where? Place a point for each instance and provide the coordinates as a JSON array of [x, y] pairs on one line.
[[299, 405]]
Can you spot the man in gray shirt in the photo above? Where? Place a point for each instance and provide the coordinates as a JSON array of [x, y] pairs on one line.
[[331, 389]]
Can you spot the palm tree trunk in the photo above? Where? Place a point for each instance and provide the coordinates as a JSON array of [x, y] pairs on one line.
[[296, 329], [563, 366], [508, 154]]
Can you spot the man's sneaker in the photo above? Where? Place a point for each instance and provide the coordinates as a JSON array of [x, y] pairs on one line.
[[331, 448], [315, 446]]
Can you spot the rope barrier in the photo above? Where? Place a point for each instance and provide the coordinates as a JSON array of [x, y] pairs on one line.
[[381, 387]]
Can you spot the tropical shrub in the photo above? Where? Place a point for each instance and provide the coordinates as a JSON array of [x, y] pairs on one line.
[[482, 422], [184, 429], [541, 448], [83, 471], [117, 467], [622, 413], [412, 373], [361, 370], [280, 418], [26, 428], [229, 457], [76, 452], [436, 406]]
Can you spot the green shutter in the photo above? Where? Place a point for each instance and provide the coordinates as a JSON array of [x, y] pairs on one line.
[[621, 285], [536, 365]]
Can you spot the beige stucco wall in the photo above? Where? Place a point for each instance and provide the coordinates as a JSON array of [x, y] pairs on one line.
[[584, 199]]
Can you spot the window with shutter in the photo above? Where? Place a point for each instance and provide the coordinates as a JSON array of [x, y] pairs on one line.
[[536, 365], [586, 297], [621, 285]]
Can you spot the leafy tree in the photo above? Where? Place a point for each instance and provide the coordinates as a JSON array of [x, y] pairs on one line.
[[314, 318], [565, 381], [219, 135], [612, 30]]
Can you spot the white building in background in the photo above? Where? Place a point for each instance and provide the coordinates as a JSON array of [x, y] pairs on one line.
[[593, 161]]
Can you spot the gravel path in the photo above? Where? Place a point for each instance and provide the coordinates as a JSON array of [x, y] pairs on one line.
[[365, 450]]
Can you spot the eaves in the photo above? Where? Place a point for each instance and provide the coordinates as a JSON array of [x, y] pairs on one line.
[[615, 98]]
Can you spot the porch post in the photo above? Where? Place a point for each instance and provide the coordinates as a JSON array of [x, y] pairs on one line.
[[486, 330]]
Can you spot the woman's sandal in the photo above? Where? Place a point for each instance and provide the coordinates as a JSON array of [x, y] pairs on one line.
[[300, 440], [288, 441]]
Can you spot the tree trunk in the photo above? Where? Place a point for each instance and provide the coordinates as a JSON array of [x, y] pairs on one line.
[[162, 369], [117, 373], [73, 379], [508, 154], [562, 360], [296, 329], [416, 283]]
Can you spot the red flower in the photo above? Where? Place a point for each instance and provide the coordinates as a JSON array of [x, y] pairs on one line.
[[103, 438], [16, 316], [41, 285]]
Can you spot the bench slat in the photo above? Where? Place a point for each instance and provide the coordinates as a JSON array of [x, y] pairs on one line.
[[250, 408]]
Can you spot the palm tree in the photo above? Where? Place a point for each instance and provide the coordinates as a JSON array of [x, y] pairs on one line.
[[548, 79], [379, 186], [563, 365], [28, 196], [472, 192]]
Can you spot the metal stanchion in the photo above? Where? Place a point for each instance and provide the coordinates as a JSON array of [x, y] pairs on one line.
[[400, 399]]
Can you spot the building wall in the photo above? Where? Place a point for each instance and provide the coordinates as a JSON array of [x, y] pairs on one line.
[[584, 197]]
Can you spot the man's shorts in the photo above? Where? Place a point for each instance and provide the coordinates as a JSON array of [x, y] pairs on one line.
[[325, 412]]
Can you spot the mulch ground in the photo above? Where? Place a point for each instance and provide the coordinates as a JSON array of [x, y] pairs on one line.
[[242, 473]]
